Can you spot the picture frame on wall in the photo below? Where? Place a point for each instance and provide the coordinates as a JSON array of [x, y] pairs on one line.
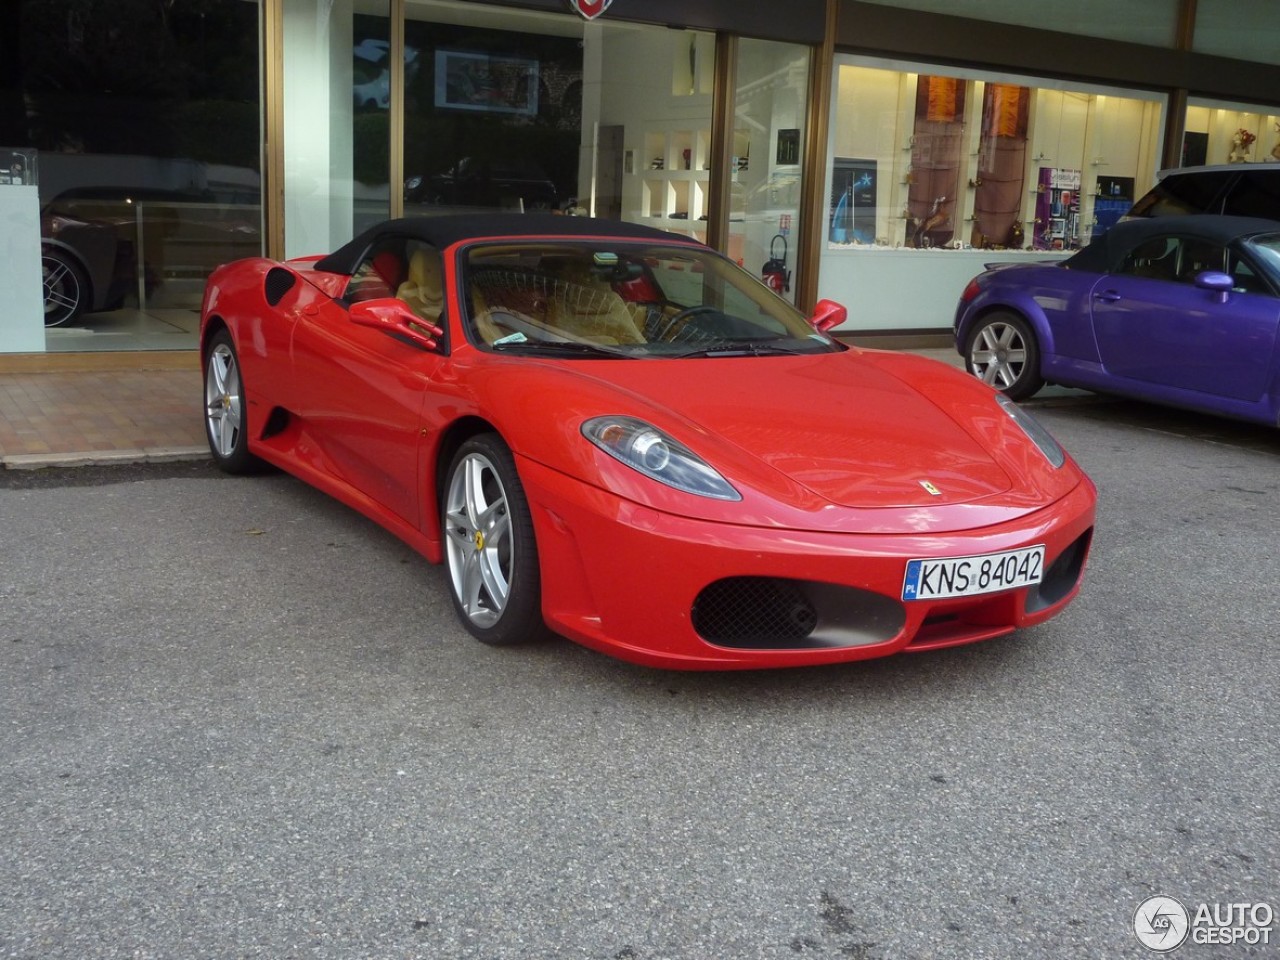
[[486, 84], [788, 152]]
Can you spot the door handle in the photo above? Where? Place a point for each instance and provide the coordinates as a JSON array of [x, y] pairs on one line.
[[1107, 296]]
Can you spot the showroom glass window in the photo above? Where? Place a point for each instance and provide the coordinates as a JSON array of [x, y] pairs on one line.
[[931, 169], [520, 111], [503, 109], [144, 120], [493, 109], [1218, 132], [516, 110], [923, 159]]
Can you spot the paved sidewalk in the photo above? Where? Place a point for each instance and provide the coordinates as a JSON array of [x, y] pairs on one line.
[[101, 416], [79, 417]]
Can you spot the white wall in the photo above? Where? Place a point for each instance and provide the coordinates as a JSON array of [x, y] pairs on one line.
[[903, 289], [21, 286]]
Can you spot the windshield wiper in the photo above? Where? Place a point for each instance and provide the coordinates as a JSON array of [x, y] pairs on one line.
[[564, 348], [744, 348]]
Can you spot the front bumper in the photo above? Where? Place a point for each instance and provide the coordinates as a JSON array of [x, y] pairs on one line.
[[673, 592]]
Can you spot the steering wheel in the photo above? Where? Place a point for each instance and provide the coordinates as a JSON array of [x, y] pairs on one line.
[[670, 327]]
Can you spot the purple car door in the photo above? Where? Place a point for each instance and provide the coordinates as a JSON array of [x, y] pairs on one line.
[[1153, 324]]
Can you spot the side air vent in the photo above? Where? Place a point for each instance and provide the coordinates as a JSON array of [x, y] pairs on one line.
[[279, 282]]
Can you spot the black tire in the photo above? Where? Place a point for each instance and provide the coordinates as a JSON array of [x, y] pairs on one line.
[[226, 408], [66, 287], [1002, 351], [490, 551]]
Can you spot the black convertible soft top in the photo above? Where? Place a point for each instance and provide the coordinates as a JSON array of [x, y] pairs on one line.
[[1105, 252], [445, 230]]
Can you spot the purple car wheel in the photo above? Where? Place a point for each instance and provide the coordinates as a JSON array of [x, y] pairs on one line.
[[1002, 352]]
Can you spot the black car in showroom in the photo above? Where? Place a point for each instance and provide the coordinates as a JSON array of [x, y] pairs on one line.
[[98, 243]]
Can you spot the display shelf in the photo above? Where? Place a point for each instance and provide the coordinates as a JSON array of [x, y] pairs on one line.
[[680, 150], [673, 185], [655, 151], [653, 198]]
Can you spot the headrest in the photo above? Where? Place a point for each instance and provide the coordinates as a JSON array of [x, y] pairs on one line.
[[425, 273]]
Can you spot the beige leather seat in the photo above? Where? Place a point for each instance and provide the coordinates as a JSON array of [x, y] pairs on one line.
[[423, 289], [584, 305]]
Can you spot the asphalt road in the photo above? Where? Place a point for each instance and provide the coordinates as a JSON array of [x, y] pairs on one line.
[[237, 720]]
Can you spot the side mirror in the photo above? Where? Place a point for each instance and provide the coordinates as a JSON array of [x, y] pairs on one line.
[[1222, 283], [394, 318], [827, 315]]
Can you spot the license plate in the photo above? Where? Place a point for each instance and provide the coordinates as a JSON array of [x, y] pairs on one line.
[[972, 576]]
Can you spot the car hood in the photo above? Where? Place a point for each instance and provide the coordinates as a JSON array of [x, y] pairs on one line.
[[850, 433], [812, 430], [859, 441]]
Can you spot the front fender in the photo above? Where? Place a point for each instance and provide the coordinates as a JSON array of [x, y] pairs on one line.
[[1022, 304], [1059, 314]]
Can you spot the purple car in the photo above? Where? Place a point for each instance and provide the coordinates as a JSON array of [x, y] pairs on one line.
[[1180, 310]]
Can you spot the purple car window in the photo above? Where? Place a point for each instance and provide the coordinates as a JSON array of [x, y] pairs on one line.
[[1155, 259], [1199, 256]]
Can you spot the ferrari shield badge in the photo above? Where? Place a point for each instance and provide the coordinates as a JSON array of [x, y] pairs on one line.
[[590, 9]]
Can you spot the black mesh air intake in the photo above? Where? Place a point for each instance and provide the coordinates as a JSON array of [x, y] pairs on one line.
[[279, 282], [751, 609], [778, 613]]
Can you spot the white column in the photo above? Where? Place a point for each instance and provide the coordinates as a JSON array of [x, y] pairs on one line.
[[21, 287], [318, 164]]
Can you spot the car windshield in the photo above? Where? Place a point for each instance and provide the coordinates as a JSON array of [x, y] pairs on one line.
[[595, 299], [1267, 249]]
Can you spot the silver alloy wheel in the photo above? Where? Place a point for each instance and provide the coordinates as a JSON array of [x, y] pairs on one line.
[[224, 407], [63, 290], [478, 540], [998, 354]]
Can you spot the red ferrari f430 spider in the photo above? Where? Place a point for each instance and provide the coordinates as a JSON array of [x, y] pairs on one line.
[[618, 434]]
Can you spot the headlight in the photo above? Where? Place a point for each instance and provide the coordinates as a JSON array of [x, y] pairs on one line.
[[647, 449], [413, 183], [1032, 428]]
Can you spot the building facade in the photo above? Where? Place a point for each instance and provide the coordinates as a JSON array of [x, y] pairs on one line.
[[875, 153]]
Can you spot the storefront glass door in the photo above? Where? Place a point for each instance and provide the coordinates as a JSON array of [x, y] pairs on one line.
[[493, 109], [521, 111], [772, 87]]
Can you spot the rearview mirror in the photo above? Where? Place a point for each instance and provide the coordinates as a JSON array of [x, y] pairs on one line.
[[395, 318], [827, 315], [1222, 283]]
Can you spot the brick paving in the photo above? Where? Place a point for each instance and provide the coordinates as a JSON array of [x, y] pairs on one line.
[[139, 414]]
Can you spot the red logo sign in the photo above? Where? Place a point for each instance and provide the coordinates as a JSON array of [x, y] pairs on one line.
[[590, 9]]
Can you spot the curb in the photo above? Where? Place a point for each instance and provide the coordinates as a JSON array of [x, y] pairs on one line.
[[99, 458]]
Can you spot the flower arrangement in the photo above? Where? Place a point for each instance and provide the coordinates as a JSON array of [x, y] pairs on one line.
[[1240, 144]]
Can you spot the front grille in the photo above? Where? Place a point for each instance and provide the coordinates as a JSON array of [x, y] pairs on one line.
[[748, 609], [763, 613]]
